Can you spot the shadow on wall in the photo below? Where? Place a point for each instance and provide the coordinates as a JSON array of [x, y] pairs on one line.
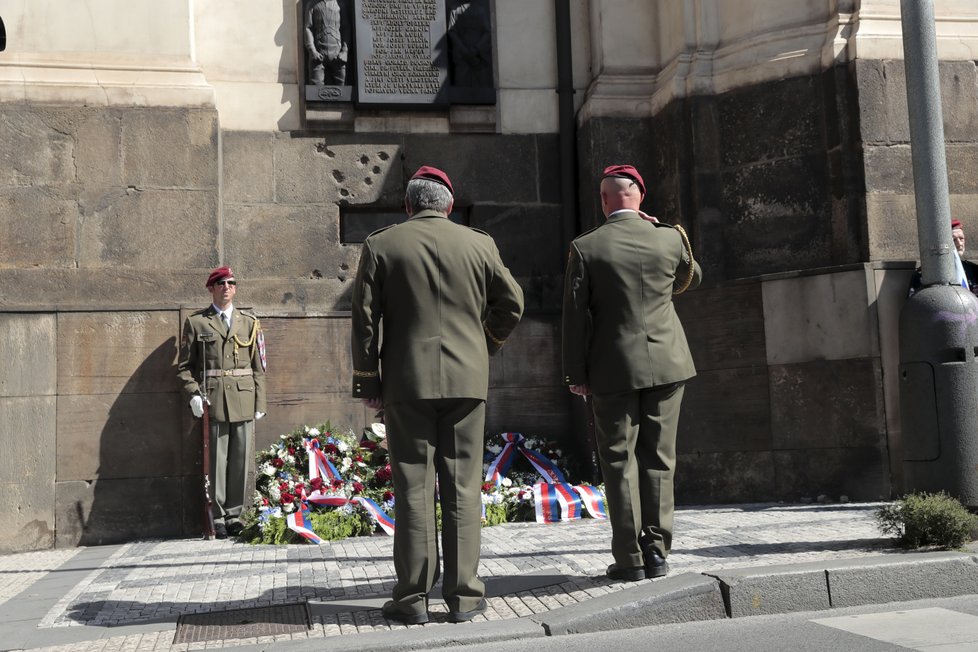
[[3, 36], [139, 488]]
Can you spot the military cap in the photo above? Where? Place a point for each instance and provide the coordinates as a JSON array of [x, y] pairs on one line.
[[955, 224], [624, 172], [219, 274], [434, 174]]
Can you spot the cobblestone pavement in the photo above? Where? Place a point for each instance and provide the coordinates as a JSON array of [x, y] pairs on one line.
[[528, 567]]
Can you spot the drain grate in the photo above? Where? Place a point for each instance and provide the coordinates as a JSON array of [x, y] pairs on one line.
[[242, 623]]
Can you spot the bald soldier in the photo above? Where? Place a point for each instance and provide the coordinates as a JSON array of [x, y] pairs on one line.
[[445, 302], [235, 361], [623, 345]]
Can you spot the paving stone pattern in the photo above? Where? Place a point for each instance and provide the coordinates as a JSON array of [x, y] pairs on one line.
[[160, 581]]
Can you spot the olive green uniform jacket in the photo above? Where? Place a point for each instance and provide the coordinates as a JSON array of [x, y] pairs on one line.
[[446, 302], [234, 398], [620, 328]]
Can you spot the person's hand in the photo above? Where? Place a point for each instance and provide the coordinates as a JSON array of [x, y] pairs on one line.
[[649, 218], [197, 405], [314, 53], [259, 415], [373, 403], [580, 390]]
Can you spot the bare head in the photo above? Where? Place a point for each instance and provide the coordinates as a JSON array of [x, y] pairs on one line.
[[622, 187], [619, 193]]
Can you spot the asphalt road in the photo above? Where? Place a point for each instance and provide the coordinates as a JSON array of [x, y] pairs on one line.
[[944, 625]]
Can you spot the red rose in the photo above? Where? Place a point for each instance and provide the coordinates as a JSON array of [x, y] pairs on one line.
[[264, 501], [357, 488], [278, 463], [369, 445], [336, 484], [287, 499], [487, 486], [317, 484], [291, 451], [388, 495]]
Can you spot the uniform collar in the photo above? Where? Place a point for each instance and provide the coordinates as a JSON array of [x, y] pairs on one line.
[[623, 214], [427, 213]]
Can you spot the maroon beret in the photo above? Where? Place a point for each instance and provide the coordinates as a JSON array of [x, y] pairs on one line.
[[219, 274], [625, 172], [434, 174], [955, 224]]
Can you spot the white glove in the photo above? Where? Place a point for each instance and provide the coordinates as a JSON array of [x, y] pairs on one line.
[[197, 405], [259, 415]]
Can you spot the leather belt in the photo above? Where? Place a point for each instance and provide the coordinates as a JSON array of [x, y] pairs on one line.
[[228, 372]]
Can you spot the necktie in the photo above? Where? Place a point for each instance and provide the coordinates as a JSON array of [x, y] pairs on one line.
[[226, 320]]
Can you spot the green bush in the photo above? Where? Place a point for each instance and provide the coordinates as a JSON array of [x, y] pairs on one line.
[[925, 519]]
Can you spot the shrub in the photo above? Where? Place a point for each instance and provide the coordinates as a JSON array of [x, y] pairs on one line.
[[925, 519]]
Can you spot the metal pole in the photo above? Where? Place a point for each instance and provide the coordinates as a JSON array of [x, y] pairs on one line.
[[939, 323], [927, 142], [566, 125]]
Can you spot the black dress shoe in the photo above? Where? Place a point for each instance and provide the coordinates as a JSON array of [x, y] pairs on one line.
[[465, 616], [220, 531], [235, 528], [655, 564], [622, 574], [392, 612]]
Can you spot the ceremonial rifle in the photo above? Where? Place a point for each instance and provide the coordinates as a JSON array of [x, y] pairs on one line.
[[208, 515]]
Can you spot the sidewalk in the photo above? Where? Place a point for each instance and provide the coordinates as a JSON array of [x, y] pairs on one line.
[[224, 594]]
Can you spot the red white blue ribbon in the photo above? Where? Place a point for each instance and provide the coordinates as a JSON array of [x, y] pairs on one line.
[[546, 503], [319, 464], [570, 503], [500, 466], [593, 500], [380, 517], [321, 467], [299, 522]]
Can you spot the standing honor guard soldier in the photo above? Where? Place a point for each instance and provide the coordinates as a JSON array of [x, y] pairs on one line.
[[624, 346], [445, 302], [228, 346]]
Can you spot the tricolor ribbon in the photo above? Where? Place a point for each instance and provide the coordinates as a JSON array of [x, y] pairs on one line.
[[554, 498], [500, 466], [319, 464], [379, 516], [570, 503], [546, 503], [321, 467], [298, 521], [593, 500]]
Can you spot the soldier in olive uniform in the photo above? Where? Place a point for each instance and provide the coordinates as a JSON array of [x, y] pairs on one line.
[[624, 346], [445, 302], [235, 392]]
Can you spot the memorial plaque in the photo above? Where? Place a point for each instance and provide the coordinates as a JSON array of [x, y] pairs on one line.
[[401, 52]]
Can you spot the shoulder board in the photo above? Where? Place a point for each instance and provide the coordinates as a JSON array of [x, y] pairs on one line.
[[202, 311], [247, 313], [382, 229], [472, 228], [593, 228], [663, 224]]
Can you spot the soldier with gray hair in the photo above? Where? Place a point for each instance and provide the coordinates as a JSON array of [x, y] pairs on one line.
[[445, 302]]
